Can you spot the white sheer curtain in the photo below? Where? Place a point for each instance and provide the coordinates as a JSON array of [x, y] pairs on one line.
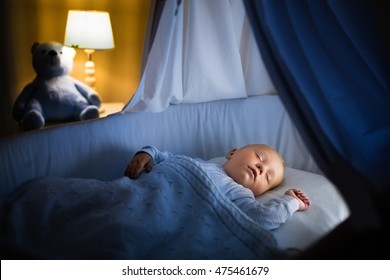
[[203, 50]]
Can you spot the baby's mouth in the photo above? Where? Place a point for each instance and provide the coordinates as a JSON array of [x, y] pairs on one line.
[[254, 172]]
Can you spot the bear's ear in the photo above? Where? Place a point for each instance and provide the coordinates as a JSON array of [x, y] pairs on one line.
[[70, 51], [34, 46]]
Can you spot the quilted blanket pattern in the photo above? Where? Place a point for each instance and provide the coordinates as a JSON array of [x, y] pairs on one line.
[[173, 212]]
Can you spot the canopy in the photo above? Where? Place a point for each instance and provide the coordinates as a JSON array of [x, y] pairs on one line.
[[331, 70]]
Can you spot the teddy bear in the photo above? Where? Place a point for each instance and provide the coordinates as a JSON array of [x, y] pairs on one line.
[[54, 95]]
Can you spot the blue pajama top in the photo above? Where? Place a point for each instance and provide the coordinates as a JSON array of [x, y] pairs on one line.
[[269, 215]]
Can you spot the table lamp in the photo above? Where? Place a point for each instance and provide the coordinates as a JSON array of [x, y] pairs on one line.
[[89, 30]]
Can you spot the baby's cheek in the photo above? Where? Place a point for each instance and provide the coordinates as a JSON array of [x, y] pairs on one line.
[[260, 189]]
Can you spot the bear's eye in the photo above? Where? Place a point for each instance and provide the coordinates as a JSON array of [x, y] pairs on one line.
[[61, 52]]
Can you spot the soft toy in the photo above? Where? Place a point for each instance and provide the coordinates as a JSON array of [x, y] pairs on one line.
[[54, 95]]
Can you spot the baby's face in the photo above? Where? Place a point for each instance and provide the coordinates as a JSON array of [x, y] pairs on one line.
[[257, 167]]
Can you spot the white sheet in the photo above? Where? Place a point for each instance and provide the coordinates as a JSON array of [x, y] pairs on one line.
[[203, 51], [304, 228]]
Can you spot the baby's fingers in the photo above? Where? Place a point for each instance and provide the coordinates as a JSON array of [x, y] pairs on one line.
[[133, 171], [303, 197], [140, 162]]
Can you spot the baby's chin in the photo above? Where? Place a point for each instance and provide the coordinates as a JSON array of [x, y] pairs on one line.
[[260, 191]]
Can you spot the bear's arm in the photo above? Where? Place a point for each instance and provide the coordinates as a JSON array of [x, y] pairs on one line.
[[92, 97], [22, 100]]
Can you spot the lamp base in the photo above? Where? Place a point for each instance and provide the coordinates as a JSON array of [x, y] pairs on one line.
[[89, 71]]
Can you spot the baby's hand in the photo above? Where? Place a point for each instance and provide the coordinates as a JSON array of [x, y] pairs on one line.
[[303, 200], [141, 161]]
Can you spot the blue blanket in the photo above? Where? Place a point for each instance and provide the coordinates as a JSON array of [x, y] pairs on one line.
[[172, 212]]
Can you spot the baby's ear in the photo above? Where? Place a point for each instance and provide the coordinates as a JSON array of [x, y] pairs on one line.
[[231, 153]]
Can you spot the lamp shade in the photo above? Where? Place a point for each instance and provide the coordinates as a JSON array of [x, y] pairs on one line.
[[89, 30]]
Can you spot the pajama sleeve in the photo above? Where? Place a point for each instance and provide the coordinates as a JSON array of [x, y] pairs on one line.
[[271, 214], [157, 155]]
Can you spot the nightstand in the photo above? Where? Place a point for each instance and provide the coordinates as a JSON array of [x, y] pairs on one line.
[[108, 108], [104, 110]]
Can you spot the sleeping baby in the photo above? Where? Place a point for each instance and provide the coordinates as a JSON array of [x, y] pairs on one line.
[[248, 172]]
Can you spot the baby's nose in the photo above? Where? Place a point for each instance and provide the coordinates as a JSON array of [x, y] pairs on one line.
[[260, 167]]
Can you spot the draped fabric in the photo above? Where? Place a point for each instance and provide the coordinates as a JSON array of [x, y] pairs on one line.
[[328, 64], [202, 51]]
